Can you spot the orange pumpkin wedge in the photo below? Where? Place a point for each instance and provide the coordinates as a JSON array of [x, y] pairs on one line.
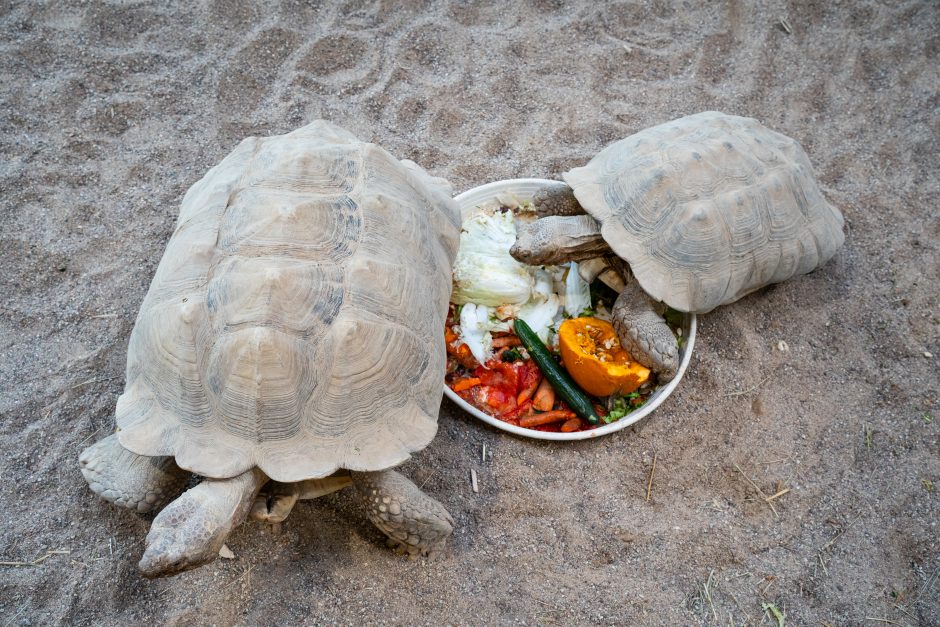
[[594, 358]]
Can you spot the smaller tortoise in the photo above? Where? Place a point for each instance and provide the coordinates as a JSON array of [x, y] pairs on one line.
[[700, 211], [290, 342]]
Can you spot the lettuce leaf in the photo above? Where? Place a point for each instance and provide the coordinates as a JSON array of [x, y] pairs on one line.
[[484, 271]]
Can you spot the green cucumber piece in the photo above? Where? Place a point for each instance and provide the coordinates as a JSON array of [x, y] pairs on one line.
[[558, 378]]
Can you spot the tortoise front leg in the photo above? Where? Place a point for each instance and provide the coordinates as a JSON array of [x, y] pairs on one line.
[[190, 531], [133, 481], [556, 201], [643, 333], [414, 522]]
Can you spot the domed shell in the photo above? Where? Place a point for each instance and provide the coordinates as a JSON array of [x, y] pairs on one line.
[[708, 208], [294, 322]]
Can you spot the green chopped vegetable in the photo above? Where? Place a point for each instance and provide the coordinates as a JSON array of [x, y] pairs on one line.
[[555, 374], [511, 355], [623, 405], [673, 317]]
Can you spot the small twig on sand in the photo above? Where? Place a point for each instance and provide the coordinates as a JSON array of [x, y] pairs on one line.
[[928, 584], [109, 315], [90, 381], [759, 491], [901, 609], [93, 434], [770, 579], [649, 486], [242, 576], [820, 557], [749, 390], [38, 560], [15, 616], [747, 616], [554, 607], [707, 590], [829, 544], [776, 461], [780, 493], [473, 481], [785, 25], [882, 620], [423, 483]]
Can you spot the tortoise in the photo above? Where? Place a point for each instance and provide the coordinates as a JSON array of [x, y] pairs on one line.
[[290, 341], [694, 213]]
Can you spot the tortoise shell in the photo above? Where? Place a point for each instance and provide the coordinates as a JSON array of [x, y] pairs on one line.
[[708, 208], [294, 322]]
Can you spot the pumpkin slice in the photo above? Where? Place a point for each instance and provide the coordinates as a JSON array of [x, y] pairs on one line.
[[595, 359]]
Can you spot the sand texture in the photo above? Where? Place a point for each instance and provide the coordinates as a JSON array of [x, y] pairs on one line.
[[110, 111]]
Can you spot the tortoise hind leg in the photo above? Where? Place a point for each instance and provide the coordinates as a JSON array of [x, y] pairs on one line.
[[414, 522], [134, 481], [277, 500], [190, 531], [643, 333]]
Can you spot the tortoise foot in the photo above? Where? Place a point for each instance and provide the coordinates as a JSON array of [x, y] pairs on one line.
[[644, 334], [275, 502], [415, 523], [190, 531], [133, 481]]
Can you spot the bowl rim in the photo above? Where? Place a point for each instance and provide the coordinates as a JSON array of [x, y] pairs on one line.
[[660, 395]]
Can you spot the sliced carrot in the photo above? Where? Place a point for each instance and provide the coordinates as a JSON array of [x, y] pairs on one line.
[[571, 425], [544, 396], [509, 340], [465, 384], [463, 355], [546, 418], [449, 336], [519, 410], [527, 393]]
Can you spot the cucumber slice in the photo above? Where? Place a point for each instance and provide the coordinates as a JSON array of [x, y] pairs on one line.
[[558, 378]]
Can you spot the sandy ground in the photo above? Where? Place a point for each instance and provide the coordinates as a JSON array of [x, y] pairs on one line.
[[110, 111]]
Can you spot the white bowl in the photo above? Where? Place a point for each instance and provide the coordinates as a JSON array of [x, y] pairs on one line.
[[523, 189]]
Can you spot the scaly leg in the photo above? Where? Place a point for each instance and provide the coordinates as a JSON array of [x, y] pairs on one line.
[[414, 522], [134, 481], [643, 332], [556, 201], [190, 531], [277, 499]]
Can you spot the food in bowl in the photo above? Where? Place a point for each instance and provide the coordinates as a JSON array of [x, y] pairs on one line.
[[584, 379]]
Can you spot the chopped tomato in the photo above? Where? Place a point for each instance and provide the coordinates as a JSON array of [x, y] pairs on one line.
[[499, 374], [499, 392]]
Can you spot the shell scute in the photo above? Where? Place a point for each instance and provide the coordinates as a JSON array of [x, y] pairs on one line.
[[294, 295], [276, 223]]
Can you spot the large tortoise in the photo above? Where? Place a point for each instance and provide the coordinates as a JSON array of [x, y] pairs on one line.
[[291, 337], [703, 210]]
